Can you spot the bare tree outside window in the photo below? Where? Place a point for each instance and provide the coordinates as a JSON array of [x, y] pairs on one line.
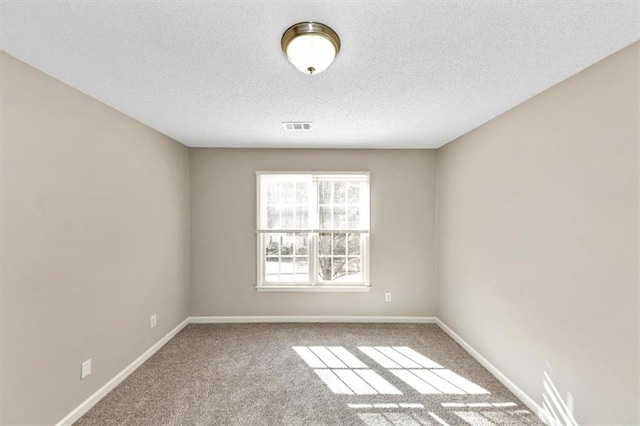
[[339, 256]]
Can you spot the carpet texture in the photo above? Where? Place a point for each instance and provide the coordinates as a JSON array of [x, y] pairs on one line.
[[310, 374]]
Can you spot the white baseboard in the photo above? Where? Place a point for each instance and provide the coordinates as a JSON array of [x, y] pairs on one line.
[[332, 319], [100, 393], [519, 393]]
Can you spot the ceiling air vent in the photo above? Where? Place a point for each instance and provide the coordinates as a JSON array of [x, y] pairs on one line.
[[296, 125]]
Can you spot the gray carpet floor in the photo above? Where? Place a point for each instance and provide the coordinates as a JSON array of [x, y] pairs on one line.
[[310, 374]]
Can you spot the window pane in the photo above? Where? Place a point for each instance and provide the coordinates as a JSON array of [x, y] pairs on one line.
[[339, 268], [339, 244], [286, 245], [324, 244], [288, 191], [286, 269], [287, 218], [273, 217], [325, 268], [325, 217], [272, 269], [353, 193], [353, 218], [272, 244], [302, 269], [340, 192], [339, 218], [302, 193], [324, 192], [273, 189], [354, 244], [355, 271], [302, 217], [302, 244]]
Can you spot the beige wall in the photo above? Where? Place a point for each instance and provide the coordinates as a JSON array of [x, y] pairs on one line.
[[538, 240], [223, 241], [94, 238]]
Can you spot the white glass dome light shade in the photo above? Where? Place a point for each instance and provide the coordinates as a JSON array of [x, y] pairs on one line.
[[311, 47], [311, 53]]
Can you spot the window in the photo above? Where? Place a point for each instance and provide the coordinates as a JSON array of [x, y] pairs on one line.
[[313, 231]]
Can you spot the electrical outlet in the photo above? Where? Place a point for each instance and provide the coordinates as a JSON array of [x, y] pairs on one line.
[[387, 297], [85, 369], [154, 320]]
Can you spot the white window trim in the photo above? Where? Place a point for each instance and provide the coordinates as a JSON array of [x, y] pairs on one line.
[[315, 285]]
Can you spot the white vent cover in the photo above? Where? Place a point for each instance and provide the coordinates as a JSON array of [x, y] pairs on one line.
[[296, 125]]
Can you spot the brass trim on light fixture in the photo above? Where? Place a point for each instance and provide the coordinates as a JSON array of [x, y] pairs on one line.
[[302, 28]]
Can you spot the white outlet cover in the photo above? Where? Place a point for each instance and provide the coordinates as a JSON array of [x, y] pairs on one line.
[[154, 320], [85, 369]]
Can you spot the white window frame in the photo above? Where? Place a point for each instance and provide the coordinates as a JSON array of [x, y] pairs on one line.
[[315, 284]]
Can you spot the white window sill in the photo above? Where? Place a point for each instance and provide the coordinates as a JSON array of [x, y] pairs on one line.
[[324, 288]]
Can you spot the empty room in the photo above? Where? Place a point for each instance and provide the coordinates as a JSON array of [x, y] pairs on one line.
[[378, 213]]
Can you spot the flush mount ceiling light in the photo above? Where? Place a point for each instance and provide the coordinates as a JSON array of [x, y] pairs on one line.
[[311, 47]]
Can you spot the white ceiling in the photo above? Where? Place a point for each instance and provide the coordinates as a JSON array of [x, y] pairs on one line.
[[409, 75]]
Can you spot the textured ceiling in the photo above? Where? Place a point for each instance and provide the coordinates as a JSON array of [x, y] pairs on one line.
[[409, 74]]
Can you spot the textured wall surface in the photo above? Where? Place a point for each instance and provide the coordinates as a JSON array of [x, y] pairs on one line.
[[95, 216], [223, 239], [538, 240]]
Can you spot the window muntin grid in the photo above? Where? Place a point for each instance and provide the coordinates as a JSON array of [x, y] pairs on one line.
[[312, 229]]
